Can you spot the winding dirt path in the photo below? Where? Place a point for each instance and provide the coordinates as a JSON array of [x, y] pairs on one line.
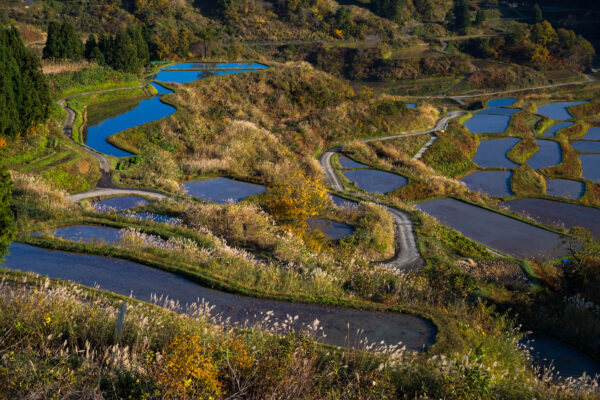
[[407, 255]]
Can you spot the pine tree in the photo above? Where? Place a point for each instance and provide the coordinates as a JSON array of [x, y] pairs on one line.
[[52, 41], [63, 42], [90, 45], [480, 17], [462, 17]]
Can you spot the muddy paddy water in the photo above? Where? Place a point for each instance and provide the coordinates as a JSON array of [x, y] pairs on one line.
[[492, 153], [565, 188], [492, 183], [333, 230], [558, 111], [222, 190], [508, 235], [487, 123], [374, 181], [556, 213], [119, 203], [548, 154], [128, 278]]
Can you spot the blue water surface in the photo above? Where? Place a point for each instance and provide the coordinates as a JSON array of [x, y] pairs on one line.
[[565, 188], [507, 102], [191, 76], [593, 134], [212, 66], [499, 111], [148, 110], [492, 183], [587, 146], [492, 153], [549, 154], [551, 132], [590, 163], [486, 123], [374, 181], [119, 203], [558, 111], [348, 163], [222, 190]]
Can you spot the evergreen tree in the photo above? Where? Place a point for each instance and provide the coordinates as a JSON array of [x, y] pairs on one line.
[[25, 98], [7, 223], [90, 45], [462, 17], [63, 42], [480, 17], [537, 14], [125, 55]]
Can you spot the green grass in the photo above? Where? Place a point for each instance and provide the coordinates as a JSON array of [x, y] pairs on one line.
[[92, 78], [521, 152], [451, 154], [527, 182]]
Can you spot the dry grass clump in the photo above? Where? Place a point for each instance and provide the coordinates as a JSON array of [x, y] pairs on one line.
[[503, 272], [58, 67]]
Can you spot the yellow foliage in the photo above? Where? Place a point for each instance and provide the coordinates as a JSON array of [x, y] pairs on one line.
[[297, 199], [2, 142], [338, 33], [187, 370]]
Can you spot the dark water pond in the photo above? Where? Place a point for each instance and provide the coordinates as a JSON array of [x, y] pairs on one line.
[[349, 163], [558, 111], [495, 230], [492, 153], [342, 202], [119, 203], [593, 134], [590, 163], [484, 123], [191, 76], [88, 234], [125, 277], [557, 213], [222, 190], [586, 146], [148, 216], [551, 132], [149, 110], [492, 183], [507, 102], [161, 89], [212, 66], [331, 229], [549, 154], [565, 188], [374, 181], [568, 361], [499, 111]]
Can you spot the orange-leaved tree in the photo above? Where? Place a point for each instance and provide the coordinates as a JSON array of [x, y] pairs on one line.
[[296, 199]]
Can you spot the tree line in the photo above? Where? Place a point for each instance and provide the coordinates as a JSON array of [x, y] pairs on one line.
[[129, 50]]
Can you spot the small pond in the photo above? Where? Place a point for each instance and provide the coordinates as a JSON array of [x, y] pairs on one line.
[[342, 202], [565, 188], [549, 154], [492, 153], [508, 235], [551, 132], [586, 146], [148, 216], [557, 213], [348, 163], [558, 111], [222, 190], [333, 230], [568, 361], [593, 134], [499, 111], [484, 123], [492, 183], [88, 234], [213, 66], [147, 111], [119, 203], [141, 282], [590, 163], [411, 105], [374, 181], [507, 102]]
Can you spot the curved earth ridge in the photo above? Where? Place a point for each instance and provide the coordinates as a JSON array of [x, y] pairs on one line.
[[407, 255]]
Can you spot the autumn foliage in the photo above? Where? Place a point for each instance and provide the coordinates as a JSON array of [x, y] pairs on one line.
[[297, 199]]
